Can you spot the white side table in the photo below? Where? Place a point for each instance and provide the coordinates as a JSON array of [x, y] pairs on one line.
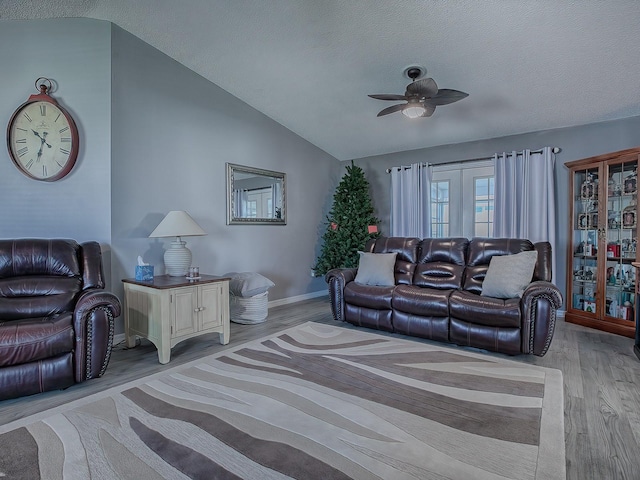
[[169, 310]]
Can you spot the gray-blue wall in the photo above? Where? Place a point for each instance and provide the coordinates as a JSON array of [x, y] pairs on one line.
[[173, 131], [155, 137], [75, 55], [575, 142]]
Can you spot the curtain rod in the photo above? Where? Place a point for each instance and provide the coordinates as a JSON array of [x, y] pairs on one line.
[[452, 162]]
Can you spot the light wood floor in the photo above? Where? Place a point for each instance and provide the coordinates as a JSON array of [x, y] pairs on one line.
[[601, 386]]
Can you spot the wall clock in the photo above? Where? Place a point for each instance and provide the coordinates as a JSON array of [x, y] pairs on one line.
[[42, 137]]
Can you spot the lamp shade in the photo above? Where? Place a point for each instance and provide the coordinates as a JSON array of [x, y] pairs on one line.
[[177, 223]]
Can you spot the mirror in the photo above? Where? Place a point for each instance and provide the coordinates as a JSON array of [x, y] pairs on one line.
[[255, 196]]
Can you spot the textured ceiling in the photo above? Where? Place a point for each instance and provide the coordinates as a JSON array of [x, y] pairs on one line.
[[527, 65]]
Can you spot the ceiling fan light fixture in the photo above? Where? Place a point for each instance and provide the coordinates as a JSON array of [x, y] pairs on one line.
[[413, 110], [422, 96]]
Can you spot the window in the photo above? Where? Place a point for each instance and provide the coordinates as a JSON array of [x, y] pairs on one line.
[[462, 200]]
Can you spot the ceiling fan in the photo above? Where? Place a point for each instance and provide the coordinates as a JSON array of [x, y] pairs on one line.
[[422, 96]]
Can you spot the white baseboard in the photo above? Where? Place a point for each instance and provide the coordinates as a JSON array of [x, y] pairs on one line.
[[297, 298]]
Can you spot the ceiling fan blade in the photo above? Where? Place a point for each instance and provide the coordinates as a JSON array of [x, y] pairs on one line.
[[446, 96], [425, 88], [428, 110], [385, 96], [392, 109]]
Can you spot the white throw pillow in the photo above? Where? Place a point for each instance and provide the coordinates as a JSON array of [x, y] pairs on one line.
[[509, 275], [376, 269]]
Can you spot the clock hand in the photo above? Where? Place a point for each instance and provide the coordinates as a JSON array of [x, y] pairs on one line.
[[42, 139], [44, 135]]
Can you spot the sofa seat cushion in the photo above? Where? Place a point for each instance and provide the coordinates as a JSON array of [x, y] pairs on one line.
[[423, 301], [29, 340], [495, 312], [371, 296]]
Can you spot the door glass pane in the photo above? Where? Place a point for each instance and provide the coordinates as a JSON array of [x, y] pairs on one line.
[[483, 206], [440, 209], [585, 235], [621, 240]]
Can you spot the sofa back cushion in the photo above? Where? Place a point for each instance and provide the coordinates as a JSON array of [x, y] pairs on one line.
[[406, 258], [441, 263], [38, 277], [480, 252]]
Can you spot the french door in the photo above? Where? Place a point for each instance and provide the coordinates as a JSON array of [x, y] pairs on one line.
[[462, 200]]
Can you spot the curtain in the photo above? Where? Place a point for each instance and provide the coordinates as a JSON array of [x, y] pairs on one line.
[[276, 199], [525, 197], [240, 198], [411, 201]]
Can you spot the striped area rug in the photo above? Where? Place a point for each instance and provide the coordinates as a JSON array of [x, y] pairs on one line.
[[311, 402]]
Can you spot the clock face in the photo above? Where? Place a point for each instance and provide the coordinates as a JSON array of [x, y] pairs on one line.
[[43, 140]]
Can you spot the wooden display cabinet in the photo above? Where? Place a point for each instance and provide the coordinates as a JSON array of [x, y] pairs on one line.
[[603, 233]]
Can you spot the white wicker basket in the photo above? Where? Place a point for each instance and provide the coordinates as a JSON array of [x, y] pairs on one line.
[[249, 310]]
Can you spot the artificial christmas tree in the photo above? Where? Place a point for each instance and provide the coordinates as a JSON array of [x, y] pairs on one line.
[[350, 223]]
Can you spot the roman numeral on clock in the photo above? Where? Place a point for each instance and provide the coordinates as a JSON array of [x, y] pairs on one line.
[[26, 115], [43, 110], [62, 130], [66, 152], [22, 151]]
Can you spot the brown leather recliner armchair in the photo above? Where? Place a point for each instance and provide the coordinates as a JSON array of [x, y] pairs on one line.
[[56, 319]]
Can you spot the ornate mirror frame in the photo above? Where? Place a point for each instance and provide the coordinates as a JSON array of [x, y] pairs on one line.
[[260, 179]]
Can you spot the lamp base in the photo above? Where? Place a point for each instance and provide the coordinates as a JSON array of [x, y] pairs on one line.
[[177, 259]]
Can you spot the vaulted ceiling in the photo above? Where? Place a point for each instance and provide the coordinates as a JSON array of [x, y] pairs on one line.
[[527, 65]]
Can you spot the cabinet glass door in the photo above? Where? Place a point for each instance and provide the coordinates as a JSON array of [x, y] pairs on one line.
[[585, 240], [621, 240]]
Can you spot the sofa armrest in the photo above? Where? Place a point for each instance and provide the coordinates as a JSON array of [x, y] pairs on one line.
[[540, 302], [93, 323], [337, 280]]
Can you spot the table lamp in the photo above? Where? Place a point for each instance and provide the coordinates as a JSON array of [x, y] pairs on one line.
[[177, 223]]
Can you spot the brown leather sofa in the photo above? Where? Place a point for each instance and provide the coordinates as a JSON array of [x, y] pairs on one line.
[[436, 295], [56, 320]]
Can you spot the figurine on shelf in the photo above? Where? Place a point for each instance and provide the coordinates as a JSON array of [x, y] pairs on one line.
[[630, 183], [629, 215], [583, 221], [611, 276], [613, 219], [588, 191], [614, 189]]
